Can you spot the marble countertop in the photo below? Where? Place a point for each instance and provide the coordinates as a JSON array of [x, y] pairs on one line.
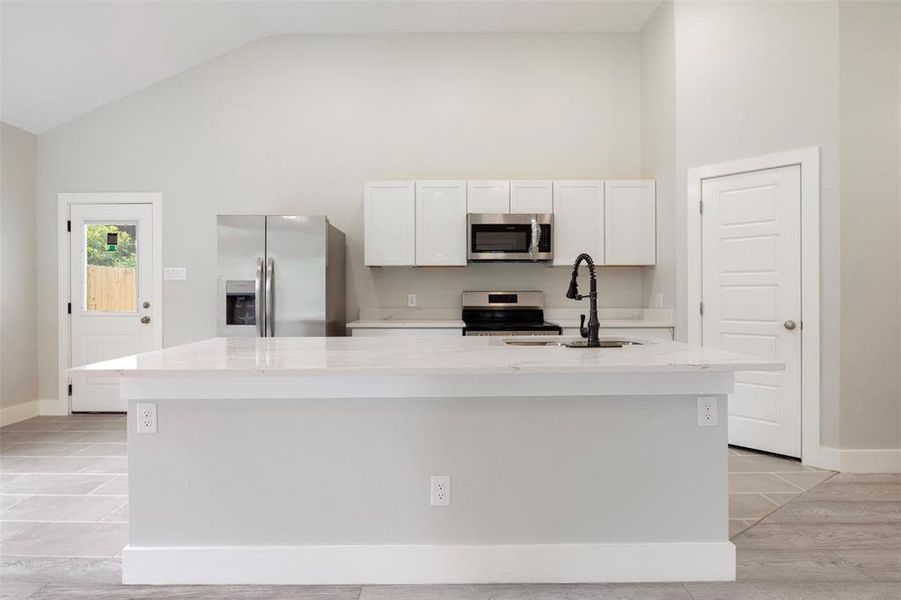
[[402, 324], [418, 356]]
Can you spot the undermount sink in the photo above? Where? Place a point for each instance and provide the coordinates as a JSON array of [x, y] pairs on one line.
[[572, 344]]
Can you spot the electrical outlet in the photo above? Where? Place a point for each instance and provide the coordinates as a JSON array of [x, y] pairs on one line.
[[147, 417], [658, 301], [411, 300], [707, 411], [441, 490]]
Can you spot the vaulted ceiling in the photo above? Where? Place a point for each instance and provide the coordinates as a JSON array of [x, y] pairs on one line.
[[63, 59]]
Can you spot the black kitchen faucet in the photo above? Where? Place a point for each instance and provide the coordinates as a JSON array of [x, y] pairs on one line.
[[591, 332]]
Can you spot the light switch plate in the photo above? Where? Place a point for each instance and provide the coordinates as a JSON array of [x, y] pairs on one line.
[[175, 273]]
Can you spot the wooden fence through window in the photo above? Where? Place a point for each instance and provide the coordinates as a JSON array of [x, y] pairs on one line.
[[111, 289]]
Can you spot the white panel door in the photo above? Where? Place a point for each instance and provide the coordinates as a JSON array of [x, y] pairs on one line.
[[111, 267], [751, 249], [535, 196], [630, 222], [389, 224], [488, 197], [578, 221], [440, 223]]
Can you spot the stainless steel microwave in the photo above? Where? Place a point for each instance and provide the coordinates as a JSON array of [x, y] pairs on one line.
[[510, 237]]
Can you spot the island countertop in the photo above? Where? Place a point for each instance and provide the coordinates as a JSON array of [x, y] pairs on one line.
[[419, 356]]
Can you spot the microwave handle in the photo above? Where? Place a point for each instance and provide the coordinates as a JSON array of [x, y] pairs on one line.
[[536, 238]]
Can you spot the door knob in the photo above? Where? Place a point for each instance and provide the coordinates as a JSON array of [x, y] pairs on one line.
[[790, 324], [145, 320], [146, 305]]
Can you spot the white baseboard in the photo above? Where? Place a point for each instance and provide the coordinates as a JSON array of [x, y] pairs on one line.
[[18, 412], [870, 461], [824, 457], [54, 407], [539, 563]]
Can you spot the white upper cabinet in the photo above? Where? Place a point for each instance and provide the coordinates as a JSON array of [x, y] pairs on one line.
[[630, 223], [488, 197], [535, 196], [440, 223], [578, 221], [389, 223]]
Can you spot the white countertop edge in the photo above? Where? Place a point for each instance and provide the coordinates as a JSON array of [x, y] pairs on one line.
[[333, 371]]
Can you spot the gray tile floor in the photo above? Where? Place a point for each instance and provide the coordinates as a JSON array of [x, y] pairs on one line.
[[800, 533], [760, 483]]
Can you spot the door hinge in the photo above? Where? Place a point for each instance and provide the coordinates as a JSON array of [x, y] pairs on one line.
[[69, 308], [70, 389], [701, 308], [68, 225], [701, 206]]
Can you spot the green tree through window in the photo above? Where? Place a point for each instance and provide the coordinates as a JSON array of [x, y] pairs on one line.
[[125, 254]]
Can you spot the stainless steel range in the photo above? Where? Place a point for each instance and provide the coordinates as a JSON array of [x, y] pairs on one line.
[[506, 313]]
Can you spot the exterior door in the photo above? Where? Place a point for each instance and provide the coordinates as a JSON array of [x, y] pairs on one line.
[[751, 254], [111, 266]]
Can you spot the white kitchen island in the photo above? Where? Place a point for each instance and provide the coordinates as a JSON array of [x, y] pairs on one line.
[[308, 460]]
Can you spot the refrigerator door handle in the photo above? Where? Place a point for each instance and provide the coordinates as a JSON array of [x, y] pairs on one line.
[[270, 300], [258, 298]]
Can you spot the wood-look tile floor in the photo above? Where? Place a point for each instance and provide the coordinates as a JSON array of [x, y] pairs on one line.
[[801, 533]]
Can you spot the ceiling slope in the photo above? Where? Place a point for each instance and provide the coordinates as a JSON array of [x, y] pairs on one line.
[[61, 60]]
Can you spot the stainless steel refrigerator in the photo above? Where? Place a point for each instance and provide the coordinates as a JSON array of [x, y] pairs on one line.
[[280, 275]]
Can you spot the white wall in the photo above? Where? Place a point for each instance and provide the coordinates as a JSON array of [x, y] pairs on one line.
[[870, 64], [658, 145], [296, 124], [18, 286], [756, 78]]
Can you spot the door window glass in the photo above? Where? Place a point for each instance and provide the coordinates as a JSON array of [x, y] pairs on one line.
[[111, 281]]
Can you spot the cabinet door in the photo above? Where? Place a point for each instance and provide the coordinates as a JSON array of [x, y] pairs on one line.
[[630, 223], [532, 197], [663, 333], [488, 197], [389, 223], [440, 223], [578, 221]]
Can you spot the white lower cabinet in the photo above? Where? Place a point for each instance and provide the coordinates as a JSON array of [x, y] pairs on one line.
[[440, 223], [406, 331], [663, 333]]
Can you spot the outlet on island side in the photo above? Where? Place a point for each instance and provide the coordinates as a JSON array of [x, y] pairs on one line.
[[146, 417], [707, 411], [440, 490], [411, 300]]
